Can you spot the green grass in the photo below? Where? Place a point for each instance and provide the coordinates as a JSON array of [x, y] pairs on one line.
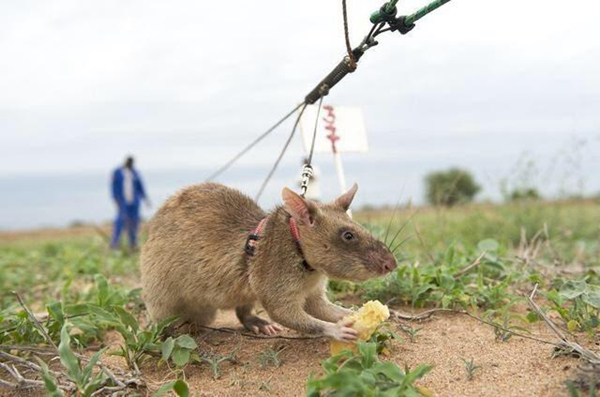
[[479, 258]]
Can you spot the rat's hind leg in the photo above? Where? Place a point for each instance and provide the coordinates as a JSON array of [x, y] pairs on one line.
[[201, 316], [254, 323]]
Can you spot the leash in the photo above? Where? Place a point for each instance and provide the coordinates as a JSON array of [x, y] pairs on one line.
[[385, 16]]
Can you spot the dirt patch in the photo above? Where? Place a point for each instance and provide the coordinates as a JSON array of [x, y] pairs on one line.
[[518, 367]]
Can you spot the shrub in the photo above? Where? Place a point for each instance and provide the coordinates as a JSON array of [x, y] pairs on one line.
[[454, 186], [525, 194]]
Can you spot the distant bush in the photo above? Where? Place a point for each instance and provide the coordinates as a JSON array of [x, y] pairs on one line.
[[525, 194], [450, 187]]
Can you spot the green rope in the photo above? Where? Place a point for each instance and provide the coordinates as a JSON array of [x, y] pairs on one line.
[[389, 11], [389, 7], [424, 11]]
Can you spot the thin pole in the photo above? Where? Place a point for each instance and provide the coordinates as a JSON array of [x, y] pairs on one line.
[[339, 168]]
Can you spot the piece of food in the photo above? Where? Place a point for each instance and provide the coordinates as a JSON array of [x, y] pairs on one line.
[[366, 321]]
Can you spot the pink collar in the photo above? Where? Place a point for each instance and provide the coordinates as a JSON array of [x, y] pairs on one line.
[[256, 234]]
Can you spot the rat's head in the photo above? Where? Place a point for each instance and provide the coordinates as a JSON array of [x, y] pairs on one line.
[[333, 243]]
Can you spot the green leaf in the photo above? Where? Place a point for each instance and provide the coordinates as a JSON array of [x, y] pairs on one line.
[[572, 289], [94, 384], [50, 383], [180, 356], [572, 325], [67, 357], [55, 311], [532, 317], [187, 342], [489, 245], [592, 296], [105, 316], [87, 371], [178, 386], [127, 318], [181, 388], [390, 370], [167, 348], [102, 286], [368, 352]]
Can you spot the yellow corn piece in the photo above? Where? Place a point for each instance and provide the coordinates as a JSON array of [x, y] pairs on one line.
[[366, 321]]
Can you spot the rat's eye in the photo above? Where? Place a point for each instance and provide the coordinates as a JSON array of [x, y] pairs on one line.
[[348, 236]]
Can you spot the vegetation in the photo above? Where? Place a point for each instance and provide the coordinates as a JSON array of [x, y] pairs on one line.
[[525, 194], [451, 187], [363, 374], [479, 259]]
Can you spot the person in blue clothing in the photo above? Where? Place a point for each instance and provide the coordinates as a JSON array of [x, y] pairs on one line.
[[128, 192]]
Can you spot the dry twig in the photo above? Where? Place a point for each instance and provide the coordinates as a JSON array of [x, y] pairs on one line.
[[35, 321], [589, 356], [429, 313], [476, 263]]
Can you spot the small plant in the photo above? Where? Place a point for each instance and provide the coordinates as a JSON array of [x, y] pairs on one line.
[[82, 376], [578, 304], [411, 332], [362, 374], [270, 357], [215, 362], [265, 385], [383, 337], [138, 343], [470, 368], [179, 387], [503, 331], [179, 350]]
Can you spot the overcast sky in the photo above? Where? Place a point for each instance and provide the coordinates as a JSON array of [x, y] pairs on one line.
[[185, 84]]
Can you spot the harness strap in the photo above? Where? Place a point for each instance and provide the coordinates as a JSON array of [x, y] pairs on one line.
[[250, 247], [253, 237]]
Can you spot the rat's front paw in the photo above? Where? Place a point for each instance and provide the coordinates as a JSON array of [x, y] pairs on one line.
[[342, 331], [343, 312]]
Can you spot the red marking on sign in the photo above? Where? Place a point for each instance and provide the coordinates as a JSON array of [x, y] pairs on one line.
[[329, 119]]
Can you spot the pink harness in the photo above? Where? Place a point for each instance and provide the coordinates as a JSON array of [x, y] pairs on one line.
[[250, 247]]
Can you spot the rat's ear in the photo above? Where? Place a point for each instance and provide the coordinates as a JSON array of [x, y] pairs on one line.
[[300, 209], [345, 199]]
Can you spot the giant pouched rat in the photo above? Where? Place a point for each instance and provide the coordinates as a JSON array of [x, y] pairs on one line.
[[195, 262]]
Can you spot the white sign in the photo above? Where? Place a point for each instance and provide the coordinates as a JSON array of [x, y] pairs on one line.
[[340, 129]]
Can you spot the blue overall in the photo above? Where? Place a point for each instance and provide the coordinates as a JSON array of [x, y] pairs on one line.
[[128, 213]]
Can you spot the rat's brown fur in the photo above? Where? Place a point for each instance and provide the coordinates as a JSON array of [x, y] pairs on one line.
[[194, 261]]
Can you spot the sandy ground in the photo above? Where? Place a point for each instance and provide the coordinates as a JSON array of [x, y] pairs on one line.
[[518, 367]]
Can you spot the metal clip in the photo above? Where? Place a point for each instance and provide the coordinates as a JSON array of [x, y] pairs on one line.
[[307, 173], [251, 243]]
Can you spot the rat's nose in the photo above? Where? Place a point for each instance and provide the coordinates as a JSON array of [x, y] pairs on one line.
[[381, 261], [389, 264]]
